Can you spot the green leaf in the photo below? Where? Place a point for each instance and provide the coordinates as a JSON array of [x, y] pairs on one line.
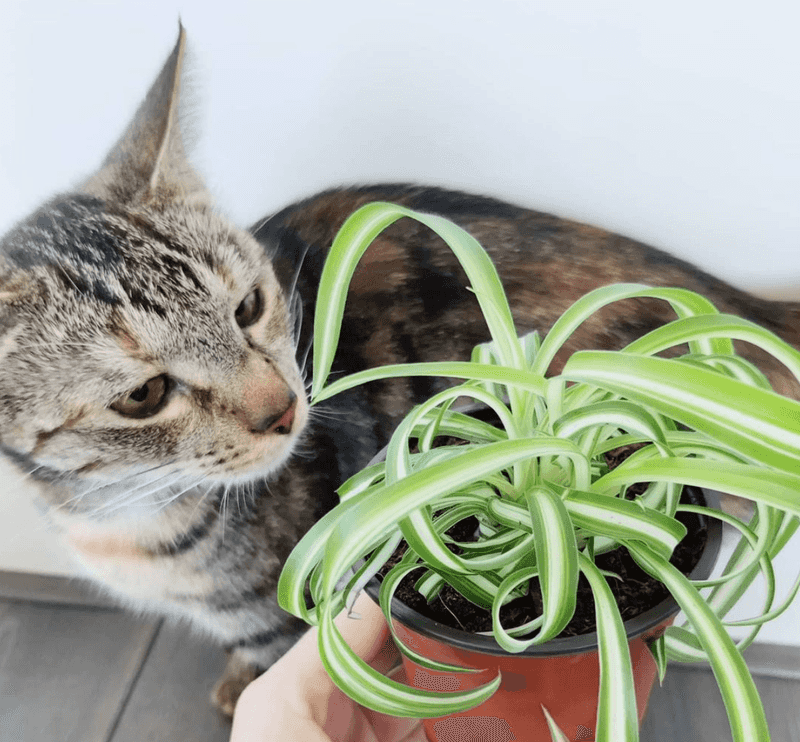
[[301, 563], [623, 520], [775, 488], [514, 378], [386, 595], [369, 688], [762, 425], [745, 712], [505, 637], [556, 735], [617, 413], [370, 568], [658, 650], [495, 559], [557, 558], [355, 236], [685, 303], [725, 326], [398, 458], [682, 645], [735, 367], [479, 589], [745, 564], [617, 717], [601, 515], [362, 522]]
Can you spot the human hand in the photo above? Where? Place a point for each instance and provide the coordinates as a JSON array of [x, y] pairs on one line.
[[296, 701]]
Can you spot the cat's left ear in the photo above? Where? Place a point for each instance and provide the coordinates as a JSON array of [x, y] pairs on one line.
[[149, 164]]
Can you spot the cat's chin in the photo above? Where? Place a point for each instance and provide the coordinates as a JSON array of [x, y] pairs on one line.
[[253, 471], [263, 464]]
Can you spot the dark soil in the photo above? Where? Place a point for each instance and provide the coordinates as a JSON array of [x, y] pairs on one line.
[[636, 592]]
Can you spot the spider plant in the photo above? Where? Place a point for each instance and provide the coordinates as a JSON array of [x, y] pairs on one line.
[[544, 497]]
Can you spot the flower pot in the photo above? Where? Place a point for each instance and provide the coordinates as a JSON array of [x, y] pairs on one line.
[[562, 675]]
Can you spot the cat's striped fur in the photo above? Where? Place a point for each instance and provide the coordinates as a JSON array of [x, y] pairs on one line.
[[133, 295]]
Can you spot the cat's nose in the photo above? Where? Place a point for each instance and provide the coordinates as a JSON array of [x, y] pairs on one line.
[[280, 422], [260, 398]]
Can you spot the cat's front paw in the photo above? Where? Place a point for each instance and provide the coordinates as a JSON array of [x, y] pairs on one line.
[[237, 676]]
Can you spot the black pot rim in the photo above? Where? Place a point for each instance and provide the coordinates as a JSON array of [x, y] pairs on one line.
[[582, 643]]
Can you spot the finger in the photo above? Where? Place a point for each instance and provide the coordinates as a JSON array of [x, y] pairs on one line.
[[296, 697], [367, 634], [392, 728], [265, 717], [299, 677]]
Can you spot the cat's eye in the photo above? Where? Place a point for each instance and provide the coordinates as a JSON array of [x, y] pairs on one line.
[[250, 309], [145, 400]]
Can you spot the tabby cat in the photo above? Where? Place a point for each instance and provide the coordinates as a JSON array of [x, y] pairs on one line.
[[153, 364]]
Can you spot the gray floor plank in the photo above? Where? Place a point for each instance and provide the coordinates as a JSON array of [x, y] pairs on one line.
[[170, 702], [52, 589], [689, 708], [65, 672], [77, 674]]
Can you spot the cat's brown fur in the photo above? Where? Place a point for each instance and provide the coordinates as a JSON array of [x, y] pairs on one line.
[[191, 510]]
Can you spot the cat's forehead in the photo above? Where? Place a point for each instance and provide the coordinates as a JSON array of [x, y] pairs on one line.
[[86, 230], [162, 281], [108, 249]]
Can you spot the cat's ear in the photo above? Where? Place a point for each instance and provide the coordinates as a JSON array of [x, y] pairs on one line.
[[149, 164]]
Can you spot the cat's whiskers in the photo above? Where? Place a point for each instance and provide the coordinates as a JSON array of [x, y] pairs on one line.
[[297, 310], [295, 305], [250, 493], [125, 500], [66, 344], [55, 476], [303, 363], [125, 503], [164, 503], [130, 476], [208, 492], [221, 501], [65, 274], [293, 295], [302, 450], [331, 413], [69, 502], [224, 509], [239, 488], [79, 496], [259, 225], [31, 472], [202, 499]]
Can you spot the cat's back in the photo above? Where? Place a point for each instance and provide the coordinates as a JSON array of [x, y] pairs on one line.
[[409, 301], [537, 242]]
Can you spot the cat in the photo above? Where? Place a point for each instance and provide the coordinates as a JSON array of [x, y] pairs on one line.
[[153, 364]]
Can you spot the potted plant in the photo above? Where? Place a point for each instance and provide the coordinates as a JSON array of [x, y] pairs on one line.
[[546, 506]]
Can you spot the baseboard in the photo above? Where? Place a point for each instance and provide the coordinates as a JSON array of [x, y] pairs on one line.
[[52, 589], [764, 660], [774, 660]]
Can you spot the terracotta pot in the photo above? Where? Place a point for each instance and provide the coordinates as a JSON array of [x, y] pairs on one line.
[[562, 675]]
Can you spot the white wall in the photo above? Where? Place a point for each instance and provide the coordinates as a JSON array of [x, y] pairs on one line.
[[677, 123]]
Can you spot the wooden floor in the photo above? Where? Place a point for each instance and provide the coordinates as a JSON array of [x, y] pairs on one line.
[[72, 673]]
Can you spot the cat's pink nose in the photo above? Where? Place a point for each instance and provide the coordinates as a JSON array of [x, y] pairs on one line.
[[281, 423]]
